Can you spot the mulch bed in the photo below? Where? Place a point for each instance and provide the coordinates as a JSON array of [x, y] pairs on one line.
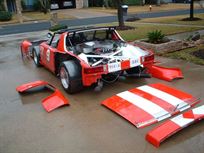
[[199, 53], [191, 19]]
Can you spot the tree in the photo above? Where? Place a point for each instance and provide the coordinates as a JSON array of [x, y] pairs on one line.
[[19, 11], [45, 4], [192, 7], [191, 10], [5, 5]]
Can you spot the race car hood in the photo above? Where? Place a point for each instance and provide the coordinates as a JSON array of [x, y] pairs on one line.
[[148, 104]]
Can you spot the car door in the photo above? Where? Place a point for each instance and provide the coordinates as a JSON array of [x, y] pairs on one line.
[[48, 53]]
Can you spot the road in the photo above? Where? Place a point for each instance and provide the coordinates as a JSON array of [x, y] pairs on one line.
[[29, 27], [85, 126]]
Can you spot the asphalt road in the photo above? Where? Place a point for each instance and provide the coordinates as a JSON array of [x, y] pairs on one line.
[[30, 27], [85, 126]]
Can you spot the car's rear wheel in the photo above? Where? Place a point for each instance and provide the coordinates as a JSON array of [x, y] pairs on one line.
[[70, 76], [36, 56]]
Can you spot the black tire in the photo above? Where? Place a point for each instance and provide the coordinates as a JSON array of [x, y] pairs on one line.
[[70, 76], [22, 54], [36, 56]]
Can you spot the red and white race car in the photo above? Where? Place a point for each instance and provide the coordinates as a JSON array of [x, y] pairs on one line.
[[86, 56]]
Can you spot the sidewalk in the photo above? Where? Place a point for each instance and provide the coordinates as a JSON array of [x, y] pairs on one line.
[[185, 35]]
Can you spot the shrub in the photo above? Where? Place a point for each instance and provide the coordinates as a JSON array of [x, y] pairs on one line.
[[23, 5], [2, 8], [37, 5], [155, 36], [5, 16], [58, 27], [97, 3]]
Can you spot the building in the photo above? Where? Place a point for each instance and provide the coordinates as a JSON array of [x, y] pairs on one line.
[[58, 4]]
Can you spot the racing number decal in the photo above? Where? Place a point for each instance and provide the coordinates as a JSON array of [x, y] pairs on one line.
[[48, 55]]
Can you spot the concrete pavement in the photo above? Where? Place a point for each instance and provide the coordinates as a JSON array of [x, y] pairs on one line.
[[85, 126]]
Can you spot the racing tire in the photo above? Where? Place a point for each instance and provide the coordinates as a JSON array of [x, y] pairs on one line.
[[36, 56], [70, 76]]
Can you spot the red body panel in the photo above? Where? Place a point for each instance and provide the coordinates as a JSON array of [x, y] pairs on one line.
[[54, 101], [25, 48], [51, 102], [167, 74], [170, 127], [27, 86], [47, 56], [149, 104]]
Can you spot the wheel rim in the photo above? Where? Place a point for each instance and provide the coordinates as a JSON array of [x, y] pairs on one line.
[[35, 58], [64, 78]]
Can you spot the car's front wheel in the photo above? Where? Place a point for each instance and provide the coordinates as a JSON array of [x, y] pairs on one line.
[[70, 76]]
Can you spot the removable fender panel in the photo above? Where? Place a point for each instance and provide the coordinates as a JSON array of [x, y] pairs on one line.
[[170, 127], [25, 48], [149, 104], [54, 101], [51, 102], [163, 73], [27, 86]]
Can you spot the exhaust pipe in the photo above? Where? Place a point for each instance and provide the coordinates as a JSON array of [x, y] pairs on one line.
[[138, 75]]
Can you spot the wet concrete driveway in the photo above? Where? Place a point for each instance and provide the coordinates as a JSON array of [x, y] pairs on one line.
[[85, 126]]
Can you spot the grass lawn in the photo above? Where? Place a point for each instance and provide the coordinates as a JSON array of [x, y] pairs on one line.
[[176, 20], [145, 8], [141, 30], [186, 54], [36, 16]]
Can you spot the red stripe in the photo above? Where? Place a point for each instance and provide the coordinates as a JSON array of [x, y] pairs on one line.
[[160, 133], [127, 110], [165, 105], [174, 92]]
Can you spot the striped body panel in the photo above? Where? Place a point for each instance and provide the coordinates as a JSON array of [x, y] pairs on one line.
[[149, 104], [168, 128]]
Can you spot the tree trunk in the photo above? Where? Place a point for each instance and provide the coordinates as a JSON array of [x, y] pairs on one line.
[[191, 9], [18, 9], [5, 5], [120, 14], [45, 4]]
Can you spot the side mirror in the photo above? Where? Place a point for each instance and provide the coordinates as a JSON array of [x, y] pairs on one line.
[[49, 35]]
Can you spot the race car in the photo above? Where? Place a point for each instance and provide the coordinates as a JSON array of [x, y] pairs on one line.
[[88, 56]]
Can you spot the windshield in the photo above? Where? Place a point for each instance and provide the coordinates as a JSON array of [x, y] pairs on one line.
[[87, 36]]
